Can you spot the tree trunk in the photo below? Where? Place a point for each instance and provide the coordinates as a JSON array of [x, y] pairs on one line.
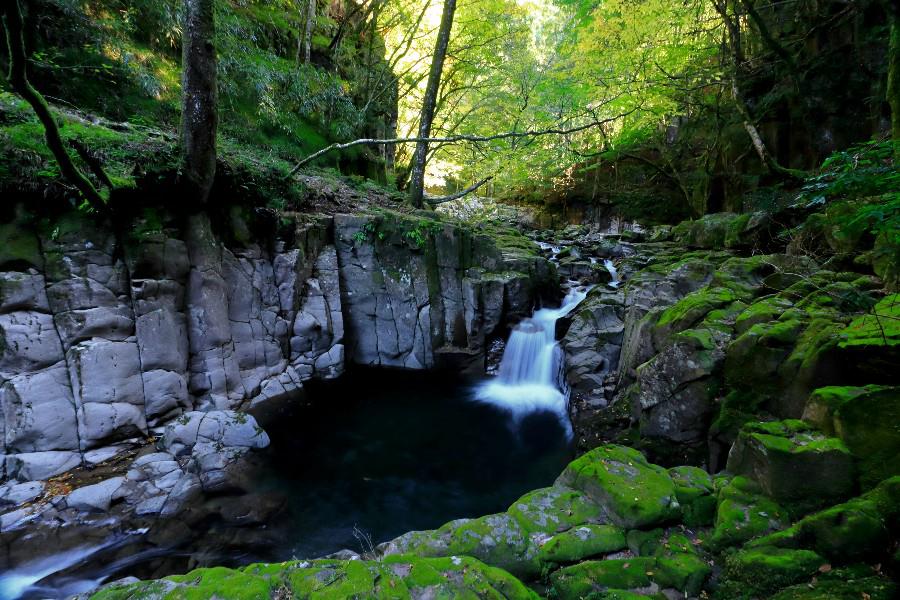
[[893, 85], [308, 32], [199, 116], [18, 79], [417, 172]]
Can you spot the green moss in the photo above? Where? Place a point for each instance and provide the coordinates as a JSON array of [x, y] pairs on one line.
[[396, 577], [498, 540], [867, 420], [555, 509], [691, 483], [691, 309], [743, 514], [684, 572], [868, 588], [645, 543], [634, 492], [794, 464], [857, 529], [579, 581], [880, 328], [582, 542], [765, 569]]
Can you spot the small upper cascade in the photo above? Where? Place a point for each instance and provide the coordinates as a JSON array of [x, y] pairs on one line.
[[613, 272]]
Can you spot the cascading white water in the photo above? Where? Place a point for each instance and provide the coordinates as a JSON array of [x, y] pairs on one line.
[[529, 370], [614, 273], [14, 584], [25, 580]]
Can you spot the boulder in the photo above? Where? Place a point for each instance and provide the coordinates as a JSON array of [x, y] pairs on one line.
[[867, 420], [583, 541], [633, 492], [94, 498], [764, 570], [743, 513], [794, 463], [402, 576]]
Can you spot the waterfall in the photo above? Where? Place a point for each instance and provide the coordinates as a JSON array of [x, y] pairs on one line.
[[13, 584], [25, 580], [613, 272], [529, 371]]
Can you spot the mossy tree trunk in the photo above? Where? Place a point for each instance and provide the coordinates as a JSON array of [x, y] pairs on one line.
[[417, 171], [893, 84], [199, 111], [18, 79]]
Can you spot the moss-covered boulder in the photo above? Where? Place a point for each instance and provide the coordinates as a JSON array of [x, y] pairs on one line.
[[582, 542], [695, 492], [684, 572], [580, 581], [395, 577], [855, 530], [555, 509], [499, 540], [766, 569], [867, 420], [744, 513], [724, 230], [645, 543], [864, 588], [794, 463], [870, 345], [633, 492]]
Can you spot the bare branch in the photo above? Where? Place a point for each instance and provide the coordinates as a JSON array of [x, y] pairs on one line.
[[457, 195], [455, 139]]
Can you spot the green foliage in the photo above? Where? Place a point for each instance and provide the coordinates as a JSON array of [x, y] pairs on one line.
[[862, 170]]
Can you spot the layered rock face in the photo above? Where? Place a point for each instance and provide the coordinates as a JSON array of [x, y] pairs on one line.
[[420, 294], [106, 339]]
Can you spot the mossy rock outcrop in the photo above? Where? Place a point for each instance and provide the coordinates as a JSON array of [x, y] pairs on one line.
[[724, 230], [766, 569], [695, 491], [794, 464], [683, 572], [582, 542], [867, 420], [855, 530], [744, 513], [395, 577], [867, 588], [871, 344], [634, 492]]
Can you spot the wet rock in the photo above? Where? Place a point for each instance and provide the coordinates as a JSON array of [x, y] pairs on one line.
[[744, 513]]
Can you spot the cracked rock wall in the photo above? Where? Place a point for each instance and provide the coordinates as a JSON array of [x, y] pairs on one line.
[[106, 339], [103, 339]]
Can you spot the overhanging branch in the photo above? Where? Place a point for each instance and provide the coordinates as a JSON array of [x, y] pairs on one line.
[[457, 195], [456, 139]]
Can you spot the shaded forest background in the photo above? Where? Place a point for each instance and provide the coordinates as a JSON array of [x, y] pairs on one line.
[[672, 84]]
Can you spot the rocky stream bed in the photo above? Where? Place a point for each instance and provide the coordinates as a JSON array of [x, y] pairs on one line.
[[733, 402]]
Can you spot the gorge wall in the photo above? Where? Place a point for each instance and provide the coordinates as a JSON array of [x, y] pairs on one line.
[[106, 338]]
